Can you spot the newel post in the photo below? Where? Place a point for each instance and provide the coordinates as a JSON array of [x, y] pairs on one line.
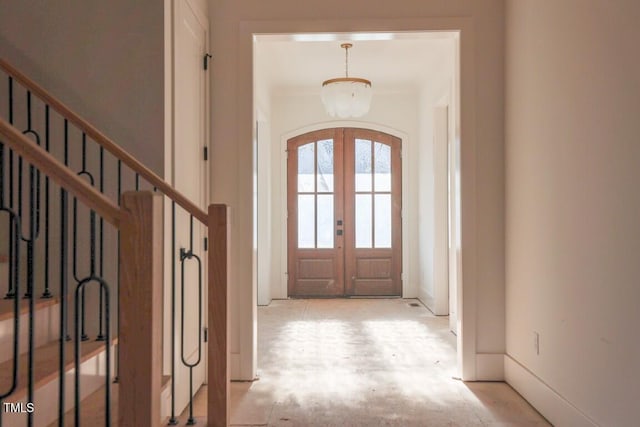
[[141, 281], [218, 308]]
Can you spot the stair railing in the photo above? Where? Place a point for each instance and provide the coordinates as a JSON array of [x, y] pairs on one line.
[[88, 186]]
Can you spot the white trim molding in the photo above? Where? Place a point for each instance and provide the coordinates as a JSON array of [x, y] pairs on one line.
[[555, 408]]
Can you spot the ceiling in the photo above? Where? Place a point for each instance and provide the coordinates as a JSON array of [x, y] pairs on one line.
[[391, 61]]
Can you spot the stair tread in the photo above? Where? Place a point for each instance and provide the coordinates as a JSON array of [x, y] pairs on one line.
[[46, 363], [92, 407], [6, 306]]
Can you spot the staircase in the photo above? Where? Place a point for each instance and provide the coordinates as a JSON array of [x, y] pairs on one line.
[[93, 329]]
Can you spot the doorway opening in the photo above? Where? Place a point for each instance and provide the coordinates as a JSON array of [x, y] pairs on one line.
[[344, 202], [286, 105]]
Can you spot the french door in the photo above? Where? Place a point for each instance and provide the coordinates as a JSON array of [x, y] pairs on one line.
[[344, 204]]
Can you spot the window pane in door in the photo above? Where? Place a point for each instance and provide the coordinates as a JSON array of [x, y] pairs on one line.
[[363, 165], [325, 166], [382, 228], [325, 221], [382, 154], [363, 221], [306, 170], [306, 221]]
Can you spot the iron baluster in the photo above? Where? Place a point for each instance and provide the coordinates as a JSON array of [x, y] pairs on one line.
[[46, 293], [14, 270], [173, 420], [104, 287], [117, 373], [92, 235], [188, 255], [101, 336], [64, 275]]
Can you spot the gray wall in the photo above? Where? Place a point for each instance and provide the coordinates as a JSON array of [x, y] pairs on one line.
[[104, 59]]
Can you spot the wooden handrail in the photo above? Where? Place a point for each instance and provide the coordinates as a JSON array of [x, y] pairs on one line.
[[105, 142], [59, 173]]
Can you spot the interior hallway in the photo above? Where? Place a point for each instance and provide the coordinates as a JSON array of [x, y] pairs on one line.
[[364, 362]]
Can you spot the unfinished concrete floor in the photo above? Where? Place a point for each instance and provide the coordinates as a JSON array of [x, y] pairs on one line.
[[364, 362]]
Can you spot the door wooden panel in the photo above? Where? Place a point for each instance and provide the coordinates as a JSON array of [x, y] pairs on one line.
[[314, 184], [373, 261], [363, 256]]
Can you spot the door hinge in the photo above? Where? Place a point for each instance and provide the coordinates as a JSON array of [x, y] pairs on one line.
[[206, 334], [206, 153], [206, 244], [206, 59]]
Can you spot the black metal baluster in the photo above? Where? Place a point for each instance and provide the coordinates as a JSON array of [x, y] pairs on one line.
[[64, 275], [188, 255], [173, 420], [101, 336], [14, 265], [63, 254], [34, 204], [80, 290], [11, 293], [92, 236], [30, 290], [47, 292], [117, 355], [137, 182]]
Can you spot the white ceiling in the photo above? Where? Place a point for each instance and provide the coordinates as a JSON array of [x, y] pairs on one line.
[[392, 61]]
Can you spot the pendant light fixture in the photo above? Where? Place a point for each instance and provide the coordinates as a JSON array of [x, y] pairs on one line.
[[345, 97]]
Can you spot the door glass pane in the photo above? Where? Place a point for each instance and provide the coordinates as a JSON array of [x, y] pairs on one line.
[[306, 162], [306, 221], [382, 220], [363, 165], [382, 154], [325, 221], [363, 221], [325, 166]]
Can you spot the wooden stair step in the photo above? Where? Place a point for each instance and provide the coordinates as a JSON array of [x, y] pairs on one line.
[[92, 408], [46, 363], [7, 306]]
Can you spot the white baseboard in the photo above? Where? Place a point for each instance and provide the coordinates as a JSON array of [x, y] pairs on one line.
[[490, 367], [555, 408]]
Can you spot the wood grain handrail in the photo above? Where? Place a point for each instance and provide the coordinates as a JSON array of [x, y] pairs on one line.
[[107, 143], [59, 173]]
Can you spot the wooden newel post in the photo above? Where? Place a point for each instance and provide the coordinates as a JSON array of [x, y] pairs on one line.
[[218, 304], [141, 281]]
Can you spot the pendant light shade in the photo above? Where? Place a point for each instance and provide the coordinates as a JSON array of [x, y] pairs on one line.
[[346, 97]]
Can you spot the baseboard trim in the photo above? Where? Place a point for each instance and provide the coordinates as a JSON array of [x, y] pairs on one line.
[[555, 408], [490, 367]]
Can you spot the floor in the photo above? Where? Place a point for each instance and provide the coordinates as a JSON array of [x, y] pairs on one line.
[[364, 362]]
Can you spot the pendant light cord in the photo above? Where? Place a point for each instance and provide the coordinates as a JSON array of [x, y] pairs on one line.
[[346, 61]]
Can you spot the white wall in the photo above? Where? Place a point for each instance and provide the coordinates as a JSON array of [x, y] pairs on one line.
[[573, 208], [435, 107], [482, 157], [394, 113]]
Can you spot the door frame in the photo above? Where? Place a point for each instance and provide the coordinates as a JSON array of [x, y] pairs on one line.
[[404, 138], [342, 206], [172, 14], [245, 296]]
